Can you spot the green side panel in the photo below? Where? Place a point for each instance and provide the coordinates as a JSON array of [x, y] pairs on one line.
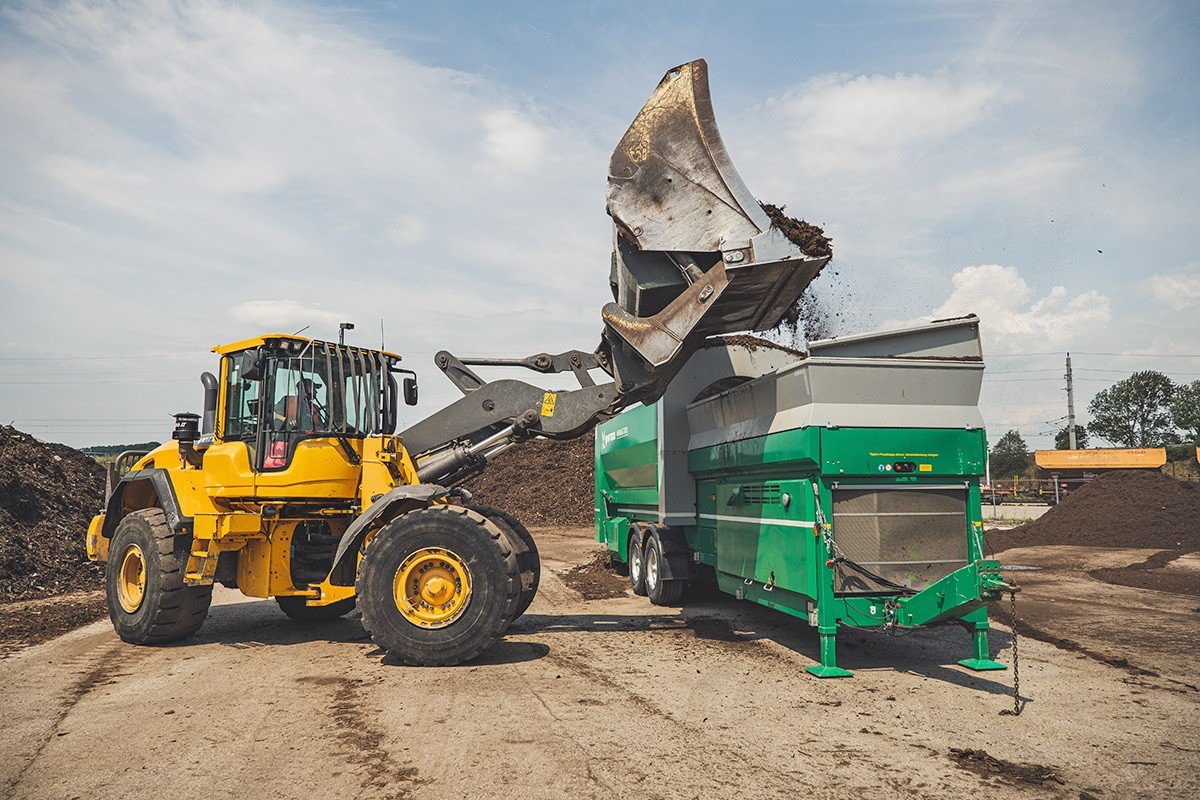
[[877, 451], [627, 460], [614, 533], [795, 450], [763, 532]]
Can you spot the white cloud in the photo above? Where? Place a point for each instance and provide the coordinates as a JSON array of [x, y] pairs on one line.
[[1012, 319], [512, 140], [407, 229], [285, 316], [856, 122], [1178, 291]]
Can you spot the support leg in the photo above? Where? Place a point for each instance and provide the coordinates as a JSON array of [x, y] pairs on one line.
[[828, 667], [979, 645]]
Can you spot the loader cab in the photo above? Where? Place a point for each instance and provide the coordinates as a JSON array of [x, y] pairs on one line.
[[291, 406]]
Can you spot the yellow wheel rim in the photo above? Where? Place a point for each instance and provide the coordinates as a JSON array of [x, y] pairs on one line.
[[432, 587], [131, 579]]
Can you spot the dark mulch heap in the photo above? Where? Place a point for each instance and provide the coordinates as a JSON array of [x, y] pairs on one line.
[[29, 622], [596, 579], [1133, 508], [48, 494], [542, 482]]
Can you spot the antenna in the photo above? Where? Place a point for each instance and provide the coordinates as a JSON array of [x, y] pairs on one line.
[[382, 344], [302, 330]]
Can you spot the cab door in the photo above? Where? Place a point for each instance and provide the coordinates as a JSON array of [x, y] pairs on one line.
[[228, 462], [304, 407]]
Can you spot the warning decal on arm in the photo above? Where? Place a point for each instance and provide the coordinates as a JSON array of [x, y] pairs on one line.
[[548, 401]]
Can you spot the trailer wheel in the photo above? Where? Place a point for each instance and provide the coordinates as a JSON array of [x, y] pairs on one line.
[[438, 586], [148, 602], [298, 609], [637, 565], [528, 559], [661, 592]]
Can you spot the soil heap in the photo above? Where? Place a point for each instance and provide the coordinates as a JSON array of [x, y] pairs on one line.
[[1133, 508], [542, 482], [48, 494]]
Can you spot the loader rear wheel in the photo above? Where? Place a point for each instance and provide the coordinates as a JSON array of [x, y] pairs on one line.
[[528, 559], [298, 609], [438, 586], [148, 602], [637, 566], [661, 591]]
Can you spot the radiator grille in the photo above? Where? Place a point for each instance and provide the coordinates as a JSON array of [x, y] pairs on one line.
[[913, 537], [760, 495]]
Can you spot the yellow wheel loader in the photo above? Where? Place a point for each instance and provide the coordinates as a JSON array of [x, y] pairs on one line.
[[295, 484]]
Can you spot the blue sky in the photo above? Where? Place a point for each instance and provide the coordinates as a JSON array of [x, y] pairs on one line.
[[182, 175]]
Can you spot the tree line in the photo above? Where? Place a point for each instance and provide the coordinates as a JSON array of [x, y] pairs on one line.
[[1147, 409]]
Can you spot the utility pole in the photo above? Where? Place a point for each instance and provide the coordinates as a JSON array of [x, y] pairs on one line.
[[1070, 412]]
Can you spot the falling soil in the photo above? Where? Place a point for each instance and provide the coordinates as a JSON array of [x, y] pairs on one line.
[[808, 237], [807, 319], [988, 766], [751, 343], [30, 622], [1133, 508], [542, 482], [596, 579], [48, 494]]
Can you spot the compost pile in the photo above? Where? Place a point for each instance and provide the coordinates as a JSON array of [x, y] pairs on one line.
[[542, 482], [1133, 508], [48, 494]]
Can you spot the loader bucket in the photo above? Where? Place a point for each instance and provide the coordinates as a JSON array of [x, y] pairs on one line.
[[694, 253]]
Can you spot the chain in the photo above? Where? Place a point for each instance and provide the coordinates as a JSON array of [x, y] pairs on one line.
[[1017, 707]]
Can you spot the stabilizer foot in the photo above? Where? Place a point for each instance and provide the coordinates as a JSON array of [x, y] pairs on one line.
[[982, 664], [822, 671]]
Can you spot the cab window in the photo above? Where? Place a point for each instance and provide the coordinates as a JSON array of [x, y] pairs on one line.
[[241, 405]]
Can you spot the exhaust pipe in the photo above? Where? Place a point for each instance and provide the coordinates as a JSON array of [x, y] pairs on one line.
[[210, 402]]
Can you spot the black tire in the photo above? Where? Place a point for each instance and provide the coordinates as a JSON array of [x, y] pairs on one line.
[[495, 585], [661, 592], [168, 610], [298, 609], [529, 561], [637, 565]]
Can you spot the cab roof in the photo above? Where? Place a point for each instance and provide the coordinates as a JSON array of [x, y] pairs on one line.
[[267, 338]]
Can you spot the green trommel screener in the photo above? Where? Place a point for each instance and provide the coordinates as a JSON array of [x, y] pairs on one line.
[[840, 486]]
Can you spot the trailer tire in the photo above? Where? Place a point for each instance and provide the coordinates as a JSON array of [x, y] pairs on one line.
[[661, 591], [637, 565], [460, 569], [528, 559], [297, 608], [148, 602]]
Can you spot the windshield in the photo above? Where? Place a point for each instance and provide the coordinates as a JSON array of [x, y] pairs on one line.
[[307, 389]]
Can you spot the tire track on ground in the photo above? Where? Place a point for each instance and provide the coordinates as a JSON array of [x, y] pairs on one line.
[[361, 741], [103, 668]]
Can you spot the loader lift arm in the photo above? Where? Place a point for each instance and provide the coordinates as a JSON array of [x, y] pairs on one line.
[[694, 255]]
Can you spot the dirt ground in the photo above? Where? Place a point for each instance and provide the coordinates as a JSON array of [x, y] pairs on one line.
[[618, 698]]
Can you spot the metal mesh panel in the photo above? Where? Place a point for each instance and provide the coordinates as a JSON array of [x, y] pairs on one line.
[[911, 537]]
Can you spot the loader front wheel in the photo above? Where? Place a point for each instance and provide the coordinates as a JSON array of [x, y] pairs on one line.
[[297, 608], [438, 586], [528, 559], [148, 602]]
